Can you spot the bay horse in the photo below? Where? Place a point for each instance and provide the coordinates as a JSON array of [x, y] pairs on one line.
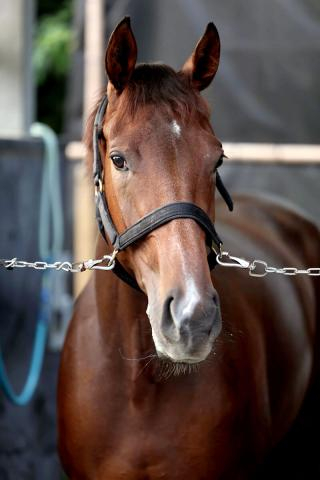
[[192, 374]]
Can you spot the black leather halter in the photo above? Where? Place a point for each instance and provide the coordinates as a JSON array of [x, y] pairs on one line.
[[151, 221]]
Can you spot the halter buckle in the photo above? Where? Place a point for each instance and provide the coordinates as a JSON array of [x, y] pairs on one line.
[[98, 185]]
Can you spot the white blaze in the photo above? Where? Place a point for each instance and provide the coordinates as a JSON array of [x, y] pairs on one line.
[[175, 128]]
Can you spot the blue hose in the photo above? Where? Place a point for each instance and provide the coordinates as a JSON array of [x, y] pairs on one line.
[[50, 211], [34, 372], [38, 352]]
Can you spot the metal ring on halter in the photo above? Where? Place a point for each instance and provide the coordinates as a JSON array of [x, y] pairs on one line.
[[217, 251], [98, 186]]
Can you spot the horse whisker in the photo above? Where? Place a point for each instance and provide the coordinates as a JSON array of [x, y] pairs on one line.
[[145, 366], [152, 355]]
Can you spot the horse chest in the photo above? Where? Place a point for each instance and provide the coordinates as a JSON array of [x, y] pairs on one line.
[[139, 430], [155, 457], [146, 458], [166, 442]]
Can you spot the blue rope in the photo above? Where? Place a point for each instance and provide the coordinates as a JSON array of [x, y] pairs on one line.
[[50, 210], [38, 352]]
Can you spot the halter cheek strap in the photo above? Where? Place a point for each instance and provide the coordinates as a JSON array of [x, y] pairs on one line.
[[152, 220], [224, 192]]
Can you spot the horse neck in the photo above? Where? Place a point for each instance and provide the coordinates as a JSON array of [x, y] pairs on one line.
[[124, 326]]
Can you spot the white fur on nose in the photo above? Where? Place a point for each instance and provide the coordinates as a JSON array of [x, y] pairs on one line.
[[176, 350], [192, 298], [175, 128]]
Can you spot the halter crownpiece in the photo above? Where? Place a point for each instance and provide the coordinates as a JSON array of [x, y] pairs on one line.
[[152, 220]]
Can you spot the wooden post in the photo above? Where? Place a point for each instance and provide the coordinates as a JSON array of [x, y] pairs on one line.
[[85, 227], [16, 89], [93, 53]]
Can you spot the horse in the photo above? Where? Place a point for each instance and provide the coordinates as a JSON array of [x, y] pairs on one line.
[[180, 372]]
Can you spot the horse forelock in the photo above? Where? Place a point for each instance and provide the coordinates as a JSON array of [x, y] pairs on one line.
[[158, 85]]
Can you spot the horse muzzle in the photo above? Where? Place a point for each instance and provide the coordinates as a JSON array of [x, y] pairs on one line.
[[187, 327]]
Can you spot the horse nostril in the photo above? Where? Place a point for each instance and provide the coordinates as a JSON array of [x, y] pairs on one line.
[[215, 299], [186, 316], [208, 317], [209, 331], [167, 321], [167, 311]]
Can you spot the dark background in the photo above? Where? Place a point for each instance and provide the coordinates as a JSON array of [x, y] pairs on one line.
[[267, 88]]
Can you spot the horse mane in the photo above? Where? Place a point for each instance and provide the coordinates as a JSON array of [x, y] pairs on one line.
[[159, 85]]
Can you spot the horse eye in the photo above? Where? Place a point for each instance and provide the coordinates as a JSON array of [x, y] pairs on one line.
[[119, 162]]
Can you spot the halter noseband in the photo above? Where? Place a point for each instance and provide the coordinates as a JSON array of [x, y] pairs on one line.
[[151, 221]]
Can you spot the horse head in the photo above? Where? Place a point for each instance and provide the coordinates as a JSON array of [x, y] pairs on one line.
[[158, 147]]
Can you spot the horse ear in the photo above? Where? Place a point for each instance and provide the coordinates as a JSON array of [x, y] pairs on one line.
[[203, 64], [121, 55]]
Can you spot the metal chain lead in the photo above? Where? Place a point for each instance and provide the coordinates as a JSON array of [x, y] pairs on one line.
[[107, 262], [259, 268]]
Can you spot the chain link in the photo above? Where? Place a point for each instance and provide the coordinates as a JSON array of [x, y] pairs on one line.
[[259, 268], [107, 262]]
